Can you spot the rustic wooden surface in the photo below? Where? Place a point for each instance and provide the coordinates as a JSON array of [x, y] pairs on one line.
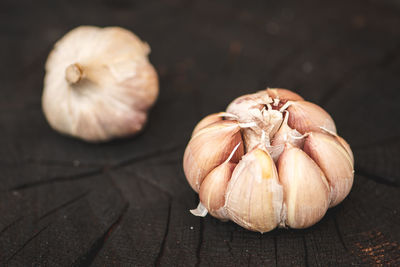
[[64, 202]]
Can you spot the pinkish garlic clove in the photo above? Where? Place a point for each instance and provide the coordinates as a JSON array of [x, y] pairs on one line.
[[306, 117], [213, 187], [306, 191], [335, 162], [210, 147], [254, 196], [210, 119]]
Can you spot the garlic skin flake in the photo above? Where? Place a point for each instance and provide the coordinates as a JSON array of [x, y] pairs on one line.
[[291, 168], [99, 84]]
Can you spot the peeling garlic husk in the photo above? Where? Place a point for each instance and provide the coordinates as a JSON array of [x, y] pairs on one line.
[[99, 84], [291, 168]]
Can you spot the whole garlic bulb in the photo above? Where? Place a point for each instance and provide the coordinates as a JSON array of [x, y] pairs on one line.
[[271, 160], [99, 84]]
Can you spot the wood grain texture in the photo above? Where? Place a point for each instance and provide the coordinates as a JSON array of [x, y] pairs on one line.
[[125, 203]]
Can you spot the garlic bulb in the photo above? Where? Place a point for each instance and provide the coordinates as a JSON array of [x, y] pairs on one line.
[[271, 160], [99, 84]]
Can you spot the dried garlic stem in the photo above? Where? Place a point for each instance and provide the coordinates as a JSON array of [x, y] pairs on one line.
[[74, 73]]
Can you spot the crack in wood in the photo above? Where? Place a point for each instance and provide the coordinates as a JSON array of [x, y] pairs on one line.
[[10, 225], [78, 163], [57, 179], [99, 171], [154, 185], [87, 258], [66, 204], [117, 188], [228, 242], [164, 240], [26, 243], [51, 162], [153, 154]]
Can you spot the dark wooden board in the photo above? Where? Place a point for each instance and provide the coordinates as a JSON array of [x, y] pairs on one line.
[[64, 202]]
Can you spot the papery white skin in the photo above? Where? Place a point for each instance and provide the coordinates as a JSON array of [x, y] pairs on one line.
[[116, 87], [276, 125]]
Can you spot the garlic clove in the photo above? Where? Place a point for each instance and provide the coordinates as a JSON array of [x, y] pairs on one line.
[[213, 187], [342, 142], [254, 196], [210, 119], [218, 125], [305, 188], [99, 84], [306, 117], [207, 121], [335, 162], [283, 94], [209, 148]]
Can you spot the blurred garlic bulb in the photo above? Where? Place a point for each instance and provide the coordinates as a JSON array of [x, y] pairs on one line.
[[99, 84], [271, 160]]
